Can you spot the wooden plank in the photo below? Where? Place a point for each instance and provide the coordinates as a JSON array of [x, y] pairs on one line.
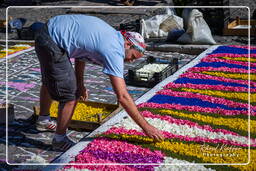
[[135, 11], [232, 24], [231, 30], [10, 108], [2, 23]]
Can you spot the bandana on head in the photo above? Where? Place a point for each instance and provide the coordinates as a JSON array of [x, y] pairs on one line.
[[136, 39]]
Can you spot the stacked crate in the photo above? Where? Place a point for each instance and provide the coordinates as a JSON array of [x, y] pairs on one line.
[[144, 79]]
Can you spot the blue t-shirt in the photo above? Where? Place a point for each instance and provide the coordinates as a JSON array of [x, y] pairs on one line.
[[89, 38]]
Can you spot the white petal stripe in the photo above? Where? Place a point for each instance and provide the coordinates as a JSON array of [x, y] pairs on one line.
[[184, 130]]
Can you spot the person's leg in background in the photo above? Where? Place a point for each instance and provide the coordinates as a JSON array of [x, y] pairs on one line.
[[128, 2]]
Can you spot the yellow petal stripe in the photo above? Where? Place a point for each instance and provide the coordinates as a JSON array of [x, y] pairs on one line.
[[229, 95], [244, 59], [2, 54], [13, 49], [220, 154], [86, 111], [234, 123], [208, 154], [231, 75]]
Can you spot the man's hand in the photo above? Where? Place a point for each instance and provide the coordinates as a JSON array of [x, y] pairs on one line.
[[153, 132], [128, 104], [82, 93]]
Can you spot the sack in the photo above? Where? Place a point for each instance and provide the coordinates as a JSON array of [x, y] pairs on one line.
[[172, 22], [150, 27], [198, 31], [159, 25]]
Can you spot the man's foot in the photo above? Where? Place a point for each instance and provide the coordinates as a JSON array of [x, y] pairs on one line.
[[62, 145], [48, 125], [128, 2]]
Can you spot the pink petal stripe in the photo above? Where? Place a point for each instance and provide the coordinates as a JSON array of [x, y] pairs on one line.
[[223, 69], [88, 158], [115, 130], [196, 109], [207, 77], [231, 55], [207, 98], [241, 46], [211, 59], [110, 146], [209, 87]]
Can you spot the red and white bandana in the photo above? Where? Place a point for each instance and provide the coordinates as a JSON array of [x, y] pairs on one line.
[[136, 39]]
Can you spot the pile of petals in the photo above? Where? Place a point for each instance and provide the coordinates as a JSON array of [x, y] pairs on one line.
[[204, 116], [86, 111], [13, 49]]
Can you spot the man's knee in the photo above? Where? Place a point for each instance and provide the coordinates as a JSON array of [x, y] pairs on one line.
[[67, 103]]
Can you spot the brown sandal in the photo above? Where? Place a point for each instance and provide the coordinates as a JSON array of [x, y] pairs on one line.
[[128, 2]]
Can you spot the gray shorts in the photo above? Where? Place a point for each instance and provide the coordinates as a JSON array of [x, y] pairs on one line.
[[58, 75]]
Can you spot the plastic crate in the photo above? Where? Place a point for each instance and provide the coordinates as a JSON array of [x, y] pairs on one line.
[[142, 79]]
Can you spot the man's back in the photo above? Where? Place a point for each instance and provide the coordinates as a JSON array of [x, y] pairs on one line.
[[74, 32], [88, 37]]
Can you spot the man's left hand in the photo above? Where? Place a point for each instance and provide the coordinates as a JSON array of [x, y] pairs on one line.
[[82, 93]]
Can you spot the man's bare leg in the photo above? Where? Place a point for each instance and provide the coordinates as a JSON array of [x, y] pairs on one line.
[[45, 101], [44, 122], [65, 114], [60, 140]]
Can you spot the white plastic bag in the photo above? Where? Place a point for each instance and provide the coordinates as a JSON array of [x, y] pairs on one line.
[[159, 25], [198, 31], [150, 27]]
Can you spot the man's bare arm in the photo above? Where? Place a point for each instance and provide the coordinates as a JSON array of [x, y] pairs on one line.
[[128, 104], [79, 71]]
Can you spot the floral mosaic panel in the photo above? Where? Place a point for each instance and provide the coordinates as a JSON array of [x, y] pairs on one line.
[[12, 49], [203, 115]]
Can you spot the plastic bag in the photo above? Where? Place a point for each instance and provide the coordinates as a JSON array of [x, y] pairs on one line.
[[160, 25], [198, 31], [150, 27]]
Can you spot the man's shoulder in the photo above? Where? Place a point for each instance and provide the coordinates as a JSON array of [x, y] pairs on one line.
[[113, 42]]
